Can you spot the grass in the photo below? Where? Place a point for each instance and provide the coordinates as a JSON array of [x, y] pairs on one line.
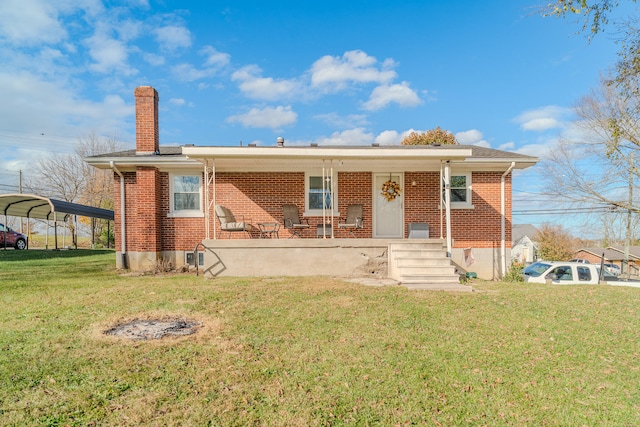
[[309, 351]]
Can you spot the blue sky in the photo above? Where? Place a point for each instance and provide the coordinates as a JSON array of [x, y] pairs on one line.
[[495, 73]]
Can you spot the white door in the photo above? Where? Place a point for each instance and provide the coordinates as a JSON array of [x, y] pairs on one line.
[[388, 215]]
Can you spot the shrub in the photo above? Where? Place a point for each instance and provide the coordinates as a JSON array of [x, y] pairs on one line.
[[514, 274]]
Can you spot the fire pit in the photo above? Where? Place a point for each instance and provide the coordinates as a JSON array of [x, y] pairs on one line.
[[153, 329]]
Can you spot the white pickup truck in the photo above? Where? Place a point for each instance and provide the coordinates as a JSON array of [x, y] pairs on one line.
[[566, 273]]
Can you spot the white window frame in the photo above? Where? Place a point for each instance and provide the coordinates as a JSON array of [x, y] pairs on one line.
[[318, 212], [184, 213], [469, 203]]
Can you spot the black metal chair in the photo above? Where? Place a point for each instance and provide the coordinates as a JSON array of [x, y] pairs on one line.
[[353, 221], [229, 223]]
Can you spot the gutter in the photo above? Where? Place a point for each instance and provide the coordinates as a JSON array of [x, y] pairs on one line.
[[503, 231], [122, 218]]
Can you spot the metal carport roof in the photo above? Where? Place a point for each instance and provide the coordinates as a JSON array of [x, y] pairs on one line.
[[32, 206]]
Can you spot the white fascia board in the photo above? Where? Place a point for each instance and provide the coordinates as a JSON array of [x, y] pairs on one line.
[[131, 162], [362, 153]]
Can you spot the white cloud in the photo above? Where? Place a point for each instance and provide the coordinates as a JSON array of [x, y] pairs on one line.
[[400, 94], [357, 136], [30, 22], [264, 88], [177, 101], [507, 146], [108, 54], [189, 73], [334, 73], [52, 109], [472, 137], [544, 118], [541, 124], [389, 137], [172, 37], [153, 59], [469, 136], [268, 117], [213, 62], [336, 120], [214, 58]]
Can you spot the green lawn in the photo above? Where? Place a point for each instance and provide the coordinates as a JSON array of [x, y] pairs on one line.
[[309, 351]]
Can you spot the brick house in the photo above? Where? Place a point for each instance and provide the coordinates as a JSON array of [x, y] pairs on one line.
[[164, 199]]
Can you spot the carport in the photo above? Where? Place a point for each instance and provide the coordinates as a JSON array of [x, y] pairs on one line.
[[31, 206]]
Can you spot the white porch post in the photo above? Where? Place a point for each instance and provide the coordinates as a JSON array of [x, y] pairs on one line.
[[326, 171], [209, 181], [447, 203]]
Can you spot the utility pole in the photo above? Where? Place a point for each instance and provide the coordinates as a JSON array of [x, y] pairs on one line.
[[20, 191], [627, 243]]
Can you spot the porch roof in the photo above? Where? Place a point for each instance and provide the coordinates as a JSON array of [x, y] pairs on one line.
[[350, 158]]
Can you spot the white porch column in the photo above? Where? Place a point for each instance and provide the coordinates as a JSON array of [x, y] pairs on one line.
[[447, 204], [209, 181]]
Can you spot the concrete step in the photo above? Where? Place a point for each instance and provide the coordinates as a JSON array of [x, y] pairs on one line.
[[429, 278], [423, 262], [420, 253], [425, 244], [429, 286], [428, 274]]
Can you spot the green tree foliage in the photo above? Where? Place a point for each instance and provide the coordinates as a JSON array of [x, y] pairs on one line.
[[554, 243], [435, 136]]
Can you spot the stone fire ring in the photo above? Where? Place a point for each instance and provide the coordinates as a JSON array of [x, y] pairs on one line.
[[153, 329]]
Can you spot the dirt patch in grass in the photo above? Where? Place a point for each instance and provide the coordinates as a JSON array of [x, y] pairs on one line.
[[153, 329]]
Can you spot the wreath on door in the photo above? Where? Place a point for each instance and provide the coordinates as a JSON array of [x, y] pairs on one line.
[[390, 190]]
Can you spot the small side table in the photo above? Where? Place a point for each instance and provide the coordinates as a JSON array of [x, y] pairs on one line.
[[269, 229]]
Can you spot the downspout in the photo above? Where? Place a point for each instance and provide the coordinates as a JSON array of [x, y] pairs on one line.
[[503, 231], [123, 249]]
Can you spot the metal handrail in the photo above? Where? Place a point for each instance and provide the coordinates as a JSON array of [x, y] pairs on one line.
[[195, 255]]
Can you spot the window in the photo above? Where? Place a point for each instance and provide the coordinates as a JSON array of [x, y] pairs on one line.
[[563, 273], [319, 196], [186, 193], [461, 191], [584, 273]]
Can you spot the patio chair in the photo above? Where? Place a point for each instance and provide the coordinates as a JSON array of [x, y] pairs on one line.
[[229, 223], [353, 221], [292, 220]]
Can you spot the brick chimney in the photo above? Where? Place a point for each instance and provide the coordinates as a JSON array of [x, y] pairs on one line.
[[147, 134]]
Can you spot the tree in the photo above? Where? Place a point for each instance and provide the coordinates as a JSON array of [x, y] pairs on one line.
[[435, 136], [554, 243], [596, 15], [69, 178], [594, 169]]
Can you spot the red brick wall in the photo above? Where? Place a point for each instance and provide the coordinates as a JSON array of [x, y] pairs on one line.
[[355, 188], [147, 231], [479, 227], [260, 196]]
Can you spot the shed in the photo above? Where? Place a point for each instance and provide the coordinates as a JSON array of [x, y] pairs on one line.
[[39, 207]]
